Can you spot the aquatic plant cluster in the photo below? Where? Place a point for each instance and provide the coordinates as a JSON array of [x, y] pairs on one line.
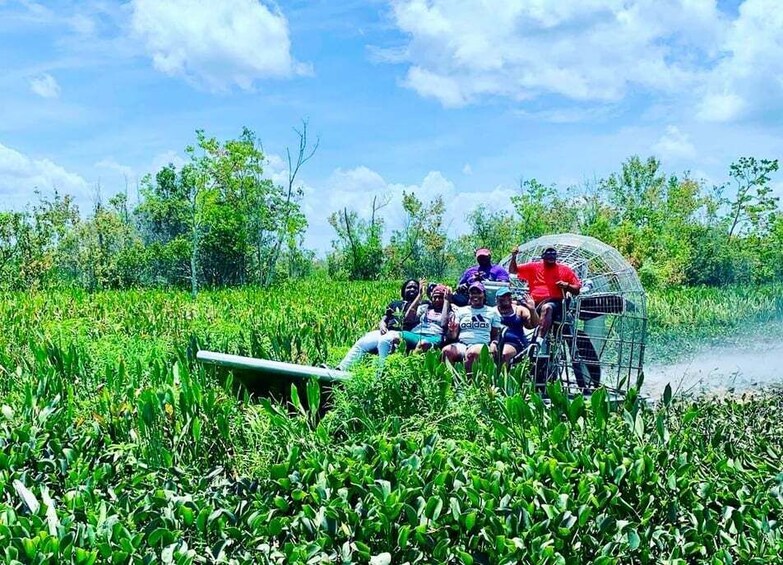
[[117, 447]]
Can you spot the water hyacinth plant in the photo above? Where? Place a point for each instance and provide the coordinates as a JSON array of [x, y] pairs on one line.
[[116, 447]]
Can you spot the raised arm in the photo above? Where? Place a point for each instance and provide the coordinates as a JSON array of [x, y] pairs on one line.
[[531, 319], [453, 327], [445, 314], [512, 267], [410, 311]]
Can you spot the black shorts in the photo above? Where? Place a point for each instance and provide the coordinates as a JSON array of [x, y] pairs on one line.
[[557, 308]]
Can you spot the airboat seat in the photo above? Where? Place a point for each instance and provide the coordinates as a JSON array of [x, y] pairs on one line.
[[491, 288], [592, 306]]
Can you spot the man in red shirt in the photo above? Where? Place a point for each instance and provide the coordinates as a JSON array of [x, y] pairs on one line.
[[548, 282]]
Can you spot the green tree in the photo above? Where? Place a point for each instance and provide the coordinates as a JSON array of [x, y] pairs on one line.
[[541, 210], [358, 250], [419, 247], [239, 219], [104, 251], [753, 204], [649, 219], [219, 220], [53, 219], [164, 216], [290, 221], [15, 241]]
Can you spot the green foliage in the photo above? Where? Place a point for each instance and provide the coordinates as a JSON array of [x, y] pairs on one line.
[[495, 230], [358, 249], [753, 206], [542, 210], [219, 221], [116, 447], [420, 246]]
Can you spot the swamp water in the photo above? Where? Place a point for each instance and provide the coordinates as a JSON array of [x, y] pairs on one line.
[[734, 364]]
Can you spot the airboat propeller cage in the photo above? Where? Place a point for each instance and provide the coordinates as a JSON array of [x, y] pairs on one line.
[[610, 311]]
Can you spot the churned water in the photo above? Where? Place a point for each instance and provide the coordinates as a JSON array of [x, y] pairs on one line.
[[734, 364]]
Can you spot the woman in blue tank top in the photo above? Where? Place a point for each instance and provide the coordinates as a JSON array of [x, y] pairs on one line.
[[517, 319]]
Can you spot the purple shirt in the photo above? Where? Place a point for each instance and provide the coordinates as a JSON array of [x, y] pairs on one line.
[[493, 273]]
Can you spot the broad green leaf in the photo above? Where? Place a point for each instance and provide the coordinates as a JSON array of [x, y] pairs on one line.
[[402, 536], [470, 521], [633, 539]]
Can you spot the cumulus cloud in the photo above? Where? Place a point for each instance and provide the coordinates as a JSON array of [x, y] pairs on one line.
[[747, 81], [355, 188], [724, 66], [165, 158], [215, 44], [674, 144], [581, 49], [276, 169], [45, 85], [111, 164], [20, 175]]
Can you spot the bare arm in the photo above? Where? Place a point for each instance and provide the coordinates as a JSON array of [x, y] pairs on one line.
[[512, 267], [569, 287], [570, 282], [453, 327], [410, 312], [528, 312], [445, 314]]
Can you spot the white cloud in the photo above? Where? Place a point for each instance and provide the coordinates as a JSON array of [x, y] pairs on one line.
[[355, 189], [20, 175], [111, 164], [715, 65], [45, 85], [432, 85], [467, 169], [747, 79], [459, 50], [167, 157], [720, 107], [276, 169], [82, 24], [674, 144], [215, 44]]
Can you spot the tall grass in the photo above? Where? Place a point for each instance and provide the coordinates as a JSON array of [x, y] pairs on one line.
[[117, 447]]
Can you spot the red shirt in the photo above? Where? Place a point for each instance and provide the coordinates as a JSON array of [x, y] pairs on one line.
[[542, 278]]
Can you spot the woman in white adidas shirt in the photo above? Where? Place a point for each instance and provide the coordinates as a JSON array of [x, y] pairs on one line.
[[475, 325]]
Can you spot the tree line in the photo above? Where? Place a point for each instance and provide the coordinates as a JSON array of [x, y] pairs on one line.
[[215, 221], [218, 221], [673, 229]]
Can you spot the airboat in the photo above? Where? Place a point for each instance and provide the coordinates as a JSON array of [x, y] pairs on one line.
[[599, 341]]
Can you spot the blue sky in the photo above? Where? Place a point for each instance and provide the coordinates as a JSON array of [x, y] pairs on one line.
[[460, 98]]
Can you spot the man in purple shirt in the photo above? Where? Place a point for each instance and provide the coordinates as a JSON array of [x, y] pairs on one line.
[[484, 271]]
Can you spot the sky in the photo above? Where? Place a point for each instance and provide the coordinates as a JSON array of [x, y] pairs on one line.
[[459, 98]]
